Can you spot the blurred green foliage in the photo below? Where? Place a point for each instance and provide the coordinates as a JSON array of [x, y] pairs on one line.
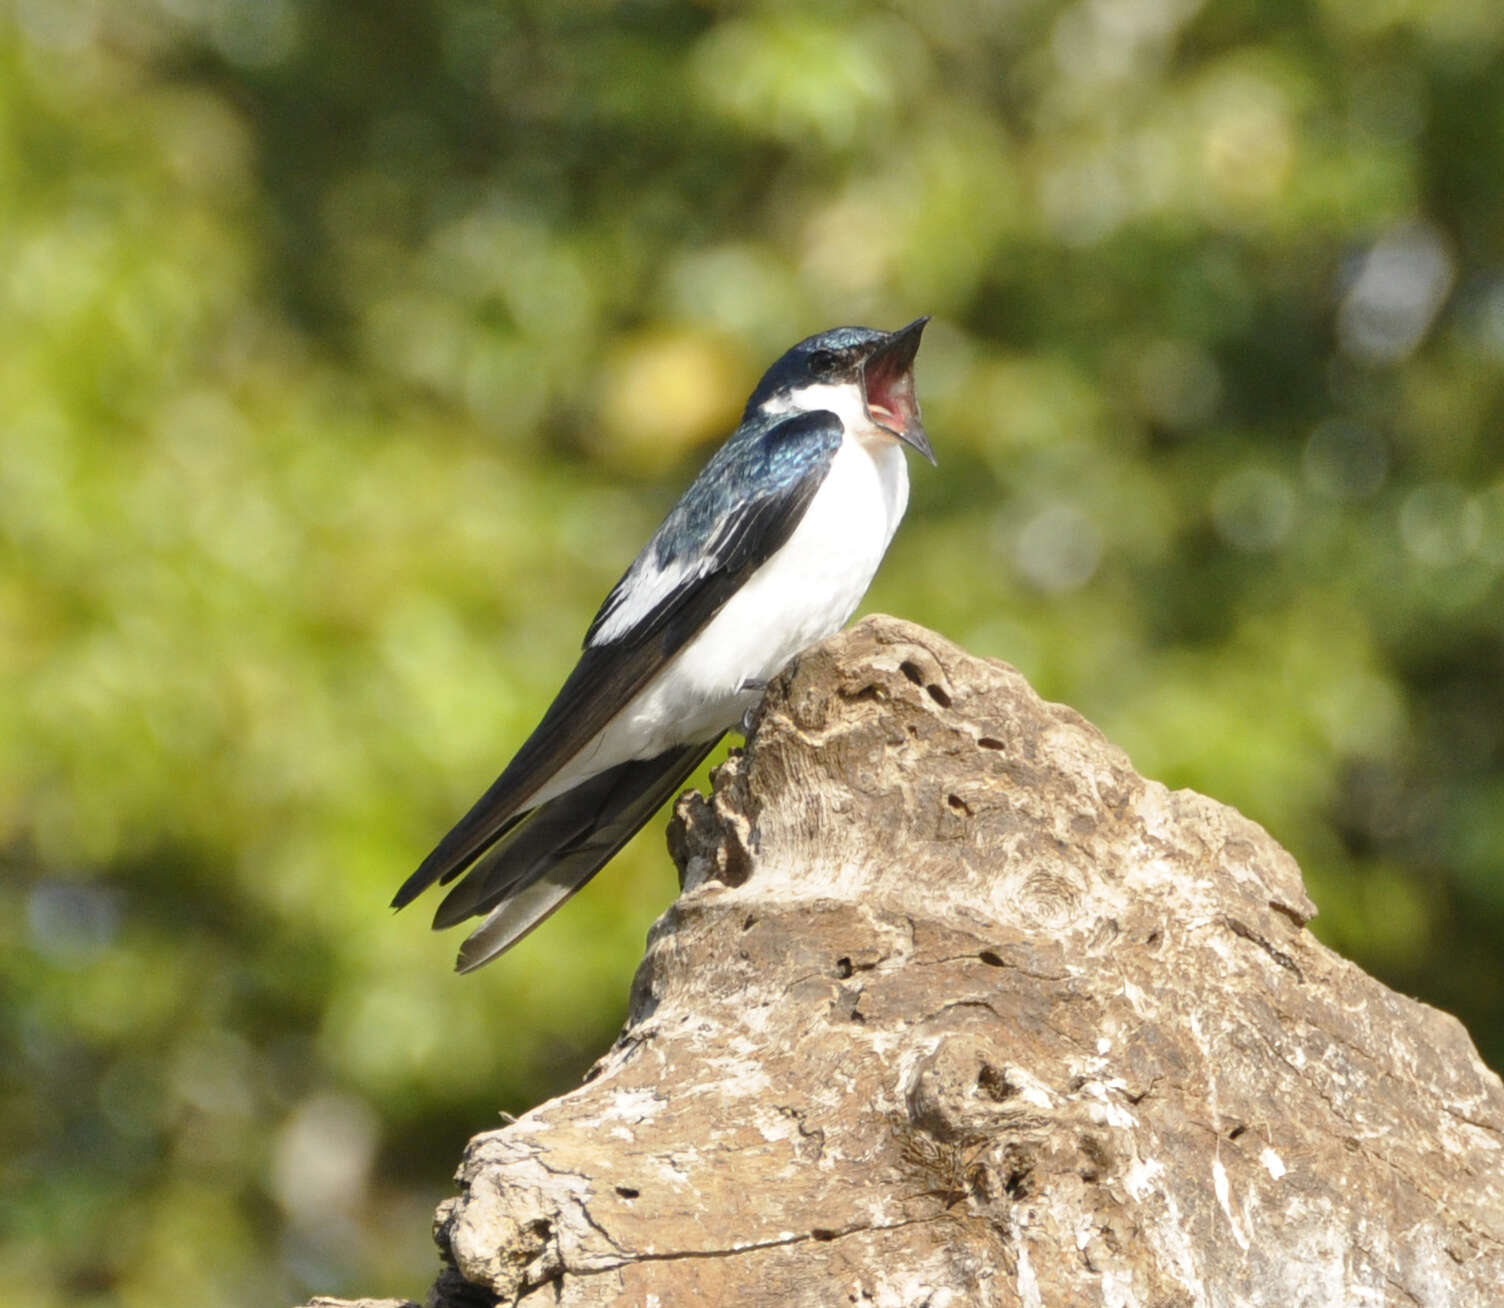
[[348, 351]]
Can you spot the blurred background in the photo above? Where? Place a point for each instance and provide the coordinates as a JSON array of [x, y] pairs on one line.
[[350, 350]]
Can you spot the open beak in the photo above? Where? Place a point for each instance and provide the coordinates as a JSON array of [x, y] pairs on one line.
[[888, 387]]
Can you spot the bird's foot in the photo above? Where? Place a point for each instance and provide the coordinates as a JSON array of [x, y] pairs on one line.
[[750, 715]]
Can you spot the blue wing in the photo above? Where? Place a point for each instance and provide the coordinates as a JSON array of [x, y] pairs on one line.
[[739, 511]]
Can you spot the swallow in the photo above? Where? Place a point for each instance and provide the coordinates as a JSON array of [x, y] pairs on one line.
[[769, 550]]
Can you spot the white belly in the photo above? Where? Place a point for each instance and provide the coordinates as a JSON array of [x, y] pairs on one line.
[[807, 590]]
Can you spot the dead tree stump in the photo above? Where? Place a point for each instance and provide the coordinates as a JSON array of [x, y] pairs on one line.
[[956, 1008]]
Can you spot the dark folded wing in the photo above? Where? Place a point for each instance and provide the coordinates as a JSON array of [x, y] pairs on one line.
[[740, 510]]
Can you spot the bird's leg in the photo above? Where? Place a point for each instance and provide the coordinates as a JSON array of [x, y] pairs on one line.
[[755, 685]]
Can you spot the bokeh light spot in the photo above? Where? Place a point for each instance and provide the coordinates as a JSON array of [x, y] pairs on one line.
[[1058, 549], [1345, 460], [1440, 524], [1253, 509], [1399, 288], [71, 923]]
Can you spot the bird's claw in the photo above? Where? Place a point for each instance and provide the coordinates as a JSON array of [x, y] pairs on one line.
[[751, 713]]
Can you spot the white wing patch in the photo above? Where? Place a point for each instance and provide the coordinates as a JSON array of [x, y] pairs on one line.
[[643, 589], [649, 583]]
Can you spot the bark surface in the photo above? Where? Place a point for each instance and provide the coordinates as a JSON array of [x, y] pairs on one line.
[[956, 1008]]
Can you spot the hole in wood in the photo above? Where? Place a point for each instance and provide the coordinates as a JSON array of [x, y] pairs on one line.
[[994, 1083]]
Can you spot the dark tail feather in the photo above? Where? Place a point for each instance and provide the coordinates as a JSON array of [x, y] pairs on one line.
[[542, 861], [444, 864]]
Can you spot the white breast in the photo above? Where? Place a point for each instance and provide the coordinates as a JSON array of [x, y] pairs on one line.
[[807, 590], [811, 586]]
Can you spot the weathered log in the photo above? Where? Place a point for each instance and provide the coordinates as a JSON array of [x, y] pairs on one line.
[[324, 1301], [958, 1008]]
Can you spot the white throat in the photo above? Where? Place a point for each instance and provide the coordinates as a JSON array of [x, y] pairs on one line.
[[844, 399]]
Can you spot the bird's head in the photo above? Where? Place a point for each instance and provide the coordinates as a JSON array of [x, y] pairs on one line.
[[856, 372]]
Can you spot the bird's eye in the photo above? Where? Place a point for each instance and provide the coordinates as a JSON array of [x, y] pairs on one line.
[[822, 363]]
